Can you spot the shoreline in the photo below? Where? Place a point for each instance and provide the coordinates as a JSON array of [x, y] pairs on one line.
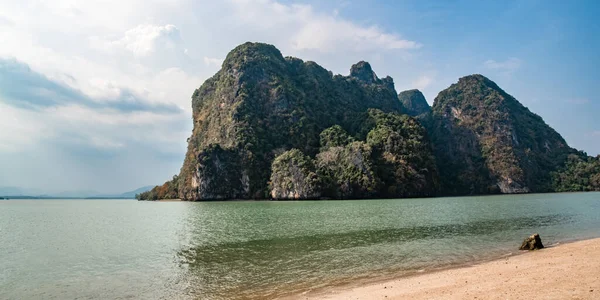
[[566, 270], [163, 200], [363, 199]]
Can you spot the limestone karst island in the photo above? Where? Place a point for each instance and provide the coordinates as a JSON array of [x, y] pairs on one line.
[[273, 127]]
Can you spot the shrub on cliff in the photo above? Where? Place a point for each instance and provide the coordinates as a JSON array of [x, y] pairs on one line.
[[293, 176], [348, 172], [581, 173], [403, 156], [334, 136], [169, 190]]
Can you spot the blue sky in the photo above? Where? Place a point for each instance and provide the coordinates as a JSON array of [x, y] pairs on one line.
[[95, 95]]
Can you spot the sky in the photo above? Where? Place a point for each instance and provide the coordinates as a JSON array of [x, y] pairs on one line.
[[95, 95]]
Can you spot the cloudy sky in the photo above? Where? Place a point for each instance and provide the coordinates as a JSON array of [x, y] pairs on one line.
[[95, 95]]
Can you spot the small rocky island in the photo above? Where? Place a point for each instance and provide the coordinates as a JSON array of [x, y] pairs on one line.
[[274, 127]]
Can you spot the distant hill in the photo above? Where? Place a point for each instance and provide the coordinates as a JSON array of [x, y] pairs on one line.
[[22, 193], [131, 194], [18, 191], [11, 191]]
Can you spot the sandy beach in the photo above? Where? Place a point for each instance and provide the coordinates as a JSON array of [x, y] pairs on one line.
[[567, 271]]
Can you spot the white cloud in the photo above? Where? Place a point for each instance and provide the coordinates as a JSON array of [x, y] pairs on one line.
[[510, 64], [83, 145], [4, 21], [329, 35], [92, 127], [19, 130], [309, 30], [144, 40], [159, 51], [422, 82]]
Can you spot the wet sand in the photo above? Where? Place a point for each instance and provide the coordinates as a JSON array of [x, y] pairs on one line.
[[566, 271]]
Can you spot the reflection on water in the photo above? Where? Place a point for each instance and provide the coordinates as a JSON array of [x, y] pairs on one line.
[[277, 248], [256, 268], [257, 250]]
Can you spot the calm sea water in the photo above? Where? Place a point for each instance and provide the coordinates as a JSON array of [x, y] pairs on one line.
[[105, 249]]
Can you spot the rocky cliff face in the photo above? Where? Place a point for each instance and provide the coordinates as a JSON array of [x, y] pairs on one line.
[[260, 104], [414, 103], [294, 177], [269, 127], [485, 141]]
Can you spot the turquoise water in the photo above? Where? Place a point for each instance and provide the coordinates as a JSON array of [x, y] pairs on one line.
[[101, 249]]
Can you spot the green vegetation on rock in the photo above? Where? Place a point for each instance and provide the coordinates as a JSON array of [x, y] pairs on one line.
[[268, 126], [334, 136], [485, 141], [293, 176], [389, 156], [414, 103], [169, 190], [405, 162], [348, 171], [260, 103], [581, 173]]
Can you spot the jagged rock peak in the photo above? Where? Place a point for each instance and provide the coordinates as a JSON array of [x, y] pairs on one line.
[[477, 139], [475, 84], [388, 82], [250, 52], [414, 102], [478, 79], [363, 72], [486, 141]]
